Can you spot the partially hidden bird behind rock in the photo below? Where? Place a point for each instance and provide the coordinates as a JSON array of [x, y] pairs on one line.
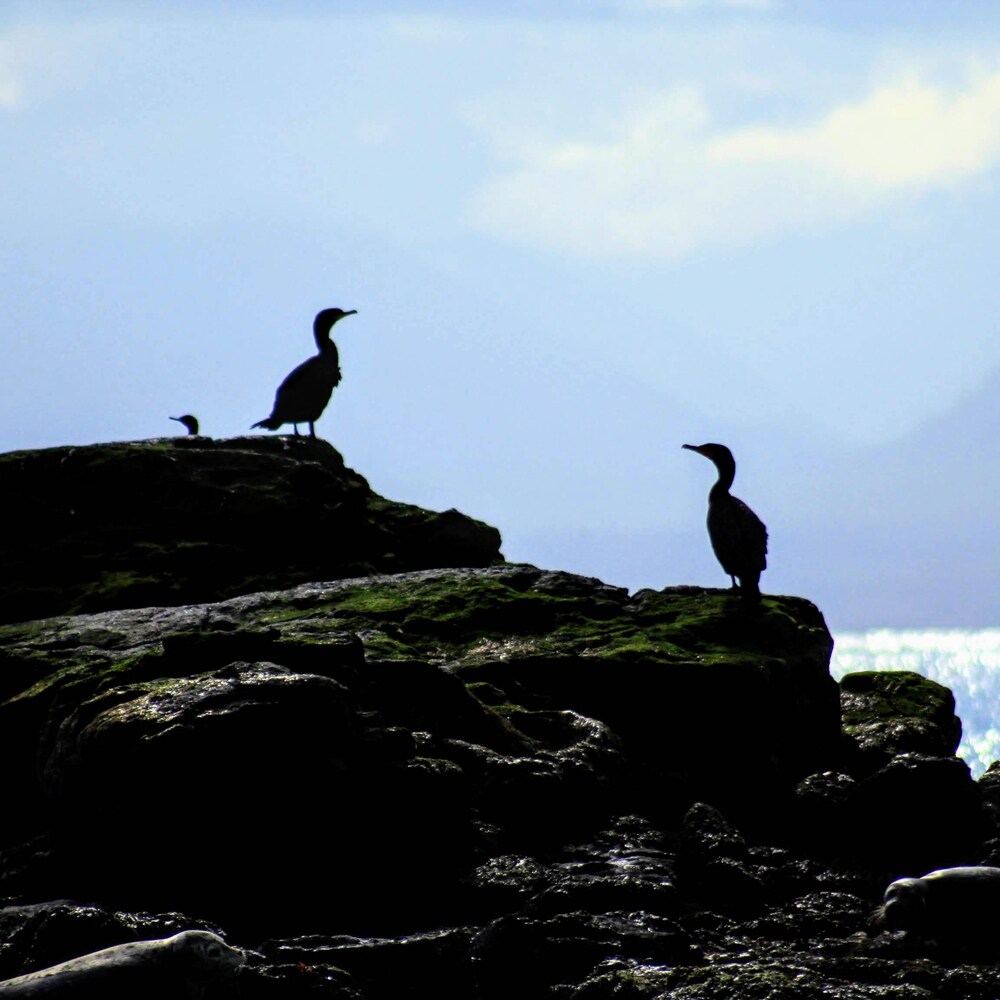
[[190, 422]]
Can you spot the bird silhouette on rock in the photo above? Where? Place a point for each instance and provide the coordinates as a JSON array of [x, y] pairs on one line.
[[303, 395], [737, 534]]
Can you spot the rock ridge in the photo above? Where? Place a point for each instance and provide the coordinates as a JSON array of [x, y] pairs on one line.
[[183, 520]]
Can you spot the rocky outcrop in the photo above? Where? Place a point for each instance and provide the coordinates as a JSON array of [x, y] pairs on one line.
[[494, 779], [886, 713], [505, 707], [180, 520], [914, 805]]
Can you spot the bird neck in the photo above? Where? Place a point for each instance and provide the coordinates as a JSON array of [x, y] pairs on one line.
[[727, 473], [321, 334], [328, 350]]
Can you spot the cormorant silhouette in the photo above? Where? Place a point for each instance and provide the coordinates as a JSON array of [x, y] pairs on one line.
[[738, 536], [303, 396], [190, 422]]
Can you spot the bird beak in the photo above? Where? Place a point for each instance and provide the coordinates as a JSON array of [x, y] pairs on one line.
[[350, 312], [692, 447]]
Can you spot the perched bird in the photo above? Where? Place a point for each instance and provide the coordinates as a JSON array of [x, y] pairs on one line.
[[738, 536], [191, 423], [303, 396]]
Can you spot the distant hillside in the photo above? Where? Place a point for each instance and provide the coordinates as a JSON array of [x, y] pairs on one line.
[[907, 534]]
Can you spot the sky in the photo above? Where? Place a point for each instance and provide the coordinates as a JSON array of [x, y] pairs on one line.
[[577, 234]]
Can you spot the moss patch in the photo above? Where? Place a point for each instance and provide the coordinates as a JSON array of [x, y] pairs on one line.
[[893, 694]]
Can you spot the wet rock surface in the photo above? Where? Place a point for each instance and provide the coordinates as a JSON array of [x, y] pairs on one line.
[[480, 782]]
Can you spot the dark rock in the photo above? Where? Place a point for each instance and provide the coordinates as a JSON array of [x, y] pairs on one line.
[[573, 773], [712, 861], [182, 520], [257, 755], [566, 948], [275, 981], [416, 695], [989, 787], [605, 894], [200, 736], [917, 813], [387, 968], [815, 916], [550, 641], [642, 666], [896, 711], [821, 812], [624, 979], [31, 869], [760, 981], [78, 671], [506, 883], [623, 868], [707, 836], [971, 982]]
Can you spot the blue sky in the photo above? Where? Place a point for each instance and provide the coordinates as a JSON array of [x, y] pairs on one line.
[[577, 236]]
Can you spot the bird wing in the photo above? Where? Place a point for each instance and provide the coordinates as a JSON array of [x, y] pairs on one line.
[[306, 390], [752, 530]]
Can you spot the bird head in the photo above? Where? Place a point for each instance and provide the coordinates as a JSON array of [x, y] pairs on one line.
[[715, 452], [325, 318]]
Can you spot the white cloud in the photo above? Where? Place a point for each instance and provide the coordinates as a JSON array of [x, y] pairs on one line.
[[910, 134], [671, 182]]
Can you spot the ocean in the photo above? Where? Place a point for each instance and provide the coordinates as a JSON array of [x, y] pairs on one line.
[[966, 661]]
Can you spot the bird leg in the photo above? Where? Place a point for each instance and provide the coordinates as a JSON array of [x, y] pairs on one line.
[[312, 430]]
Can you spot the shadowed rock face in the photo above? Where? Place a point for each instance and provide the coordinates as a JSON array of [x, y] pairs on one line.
[[180, 520]]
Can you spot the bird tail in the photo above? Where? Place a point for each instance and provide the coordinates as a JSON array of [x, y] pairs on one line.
[[269, 423], [750, 588]]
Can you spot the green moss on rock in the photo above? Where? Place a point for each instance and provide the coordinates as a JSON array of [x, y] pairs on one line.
[[897, 711]]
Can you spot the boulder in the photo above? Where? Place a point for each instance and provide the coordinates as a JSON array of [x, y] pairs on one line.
[[821, 815], [889, 712], [591, 698], [916, 814], [180, 520]]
